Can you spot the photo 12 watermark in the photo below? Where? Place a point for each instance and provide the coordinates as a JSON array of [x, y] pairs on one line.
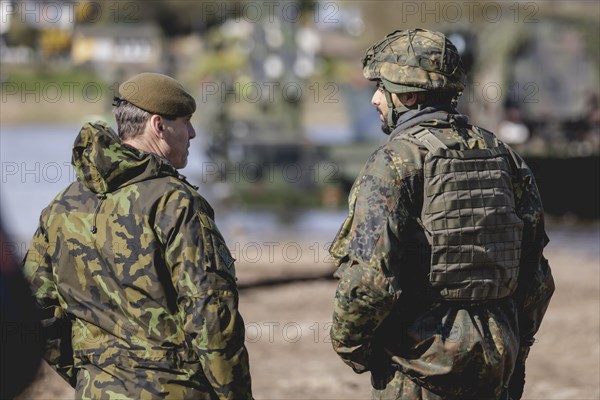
[[251, 92], [36, 172], [52, 92], [322, 12], [245, 253], [277, 252], [325, 172], [63, 14], [467, 11], [269, 92]]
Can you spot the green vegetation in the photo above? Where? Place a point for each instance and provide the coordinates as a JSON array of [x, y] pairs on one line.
[[27, 76], [33, 94]]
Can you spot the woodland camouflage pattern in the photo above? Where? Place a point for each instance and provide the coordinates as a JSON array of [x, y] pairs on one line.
[[387, 321], [135, 281]]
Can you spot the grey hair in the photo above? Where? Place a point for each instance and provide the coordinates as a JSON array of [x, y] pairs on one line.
[[131, 120]]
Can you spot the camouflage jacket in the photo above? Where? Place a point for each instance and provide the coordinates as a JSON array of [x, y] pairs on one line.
[[386, 322], [135, 282]]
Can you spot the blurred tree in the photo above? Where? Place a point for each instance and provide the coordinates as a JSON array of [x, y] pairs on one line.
[[21, 34], [184, 17]]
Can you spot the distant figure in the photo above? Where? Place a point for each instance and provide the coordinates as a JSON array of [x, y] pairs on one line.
[[442, 282], [136, 284], [21, 344]]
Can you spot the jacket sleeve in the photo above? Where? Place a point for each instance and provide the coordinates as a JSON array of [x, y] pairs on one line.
[[203, 274], [536, 284], [56, 326], [365, 295]]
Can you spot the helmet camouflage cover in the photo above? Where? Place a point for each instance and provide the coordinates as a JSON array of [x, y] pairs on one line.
[[413, 61]]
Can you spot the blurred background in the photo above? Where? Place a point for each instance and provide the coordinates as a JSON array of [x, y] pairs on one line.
[[284, 124]]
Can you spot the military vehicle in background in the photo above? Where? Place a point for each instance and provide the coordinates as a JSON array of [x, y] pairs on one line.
[[254, 80], [277, 140], [536, 84]]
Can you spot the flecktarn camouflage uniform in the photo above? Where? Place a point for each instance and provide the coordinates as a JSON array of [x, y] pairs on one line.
[[442, 281], [135, 281], [386, 319]]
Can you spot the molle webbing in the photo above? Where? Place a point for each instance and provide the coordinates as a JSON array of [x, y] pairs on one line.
[[470, 220]]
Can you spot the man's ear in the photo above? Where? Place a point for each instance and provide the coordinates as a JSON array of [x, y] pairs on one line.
[[157, 125], [408, 99]]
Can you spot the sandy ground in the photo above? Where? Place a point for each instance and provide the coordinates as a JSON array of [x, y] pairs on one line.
[[291, 357]]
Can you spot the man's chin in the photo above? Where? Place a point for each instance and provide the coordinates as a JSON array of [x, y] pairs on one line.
[[180, 164], [386, 128]]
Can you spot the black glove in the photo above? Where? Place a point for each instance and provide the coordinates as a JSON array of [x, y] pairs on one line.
[[517, 382], [517, 379]]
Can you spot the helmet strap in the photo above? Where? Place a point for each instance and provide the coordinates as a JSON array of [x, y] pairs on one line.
[[394, 112], [391, 111]]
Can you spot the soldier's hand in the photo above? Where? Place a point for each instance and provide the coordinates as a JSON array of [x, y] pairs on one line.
[[517, 382]]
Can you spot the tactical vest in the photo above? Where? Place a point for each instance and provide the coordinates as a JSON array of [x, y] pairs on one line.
[[470, 220]]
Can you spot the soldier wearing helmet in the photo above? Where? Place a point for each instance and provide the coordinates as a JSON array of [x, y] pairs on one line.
[[442, 280], [415, 65]]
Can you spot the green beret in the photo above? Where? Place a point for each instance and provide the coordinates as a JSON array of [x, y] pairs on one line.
[[157, 94]]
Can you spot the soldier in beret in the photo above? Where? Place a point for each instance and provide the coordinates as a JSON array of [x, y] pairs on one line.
[[136, 284], [442, 281]]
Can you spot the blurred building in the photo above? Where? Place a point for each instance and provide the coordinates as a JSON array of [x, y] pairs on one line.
[[109, 49]]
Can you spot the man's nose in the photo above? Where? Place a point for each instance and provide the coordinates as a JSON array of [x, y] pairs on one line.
[[191, 131], [375, 100]]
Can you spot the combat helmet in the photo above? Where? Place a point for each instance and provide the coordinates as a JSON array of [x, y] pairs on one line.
[[414, 61]]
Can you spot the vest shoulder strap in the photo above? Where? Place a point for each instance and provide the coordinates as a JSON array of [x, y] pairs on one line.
[[422, 136], [430, 141], [488, 137]]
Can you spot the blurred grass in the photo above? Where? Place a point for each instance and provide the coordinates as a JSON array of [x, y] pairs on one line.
[[30, 75], [35, 94]]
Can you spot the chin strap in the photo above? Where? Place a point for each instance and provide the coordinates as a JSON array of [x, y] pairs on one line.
[[394, 112]]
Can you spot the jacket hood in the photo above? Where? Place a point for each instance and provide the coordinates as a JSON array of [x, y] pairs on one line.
[[104, 164]]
